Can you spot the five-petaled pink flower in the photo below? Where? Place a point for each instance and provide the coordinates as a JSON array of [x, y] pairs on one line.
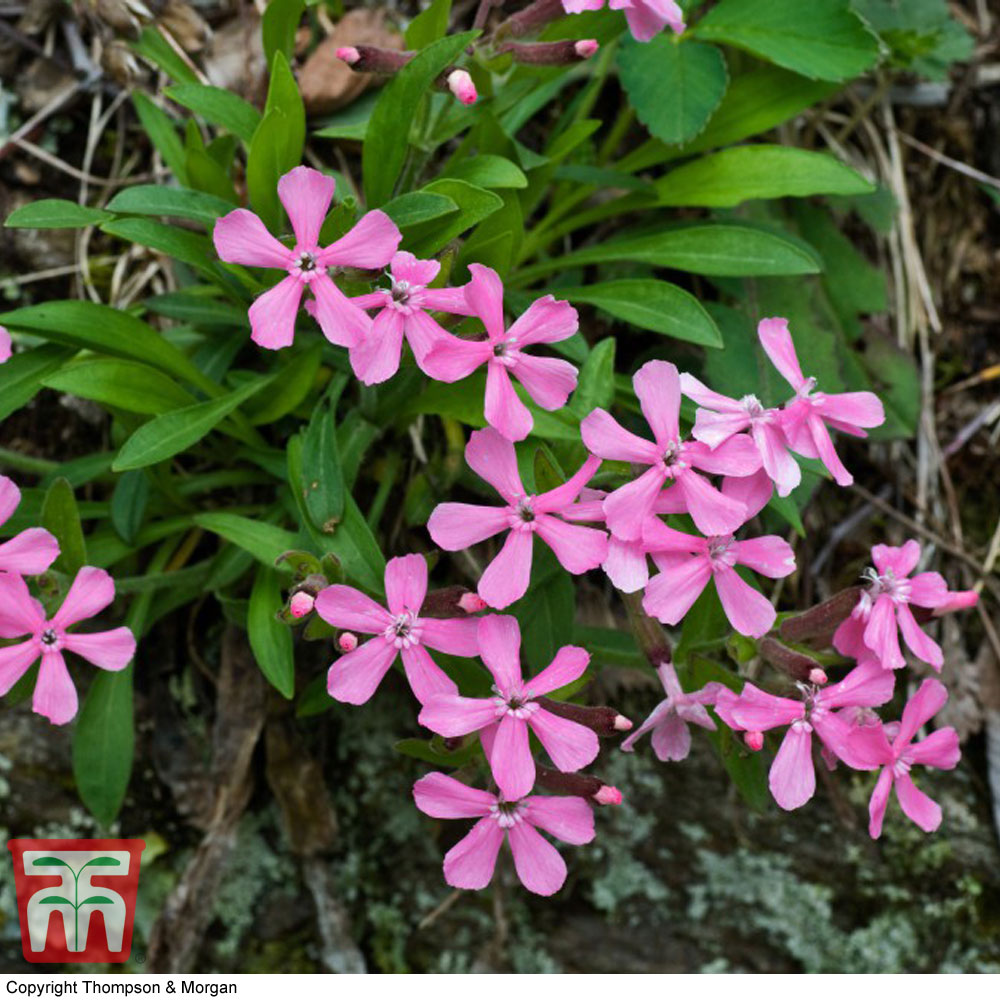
[[884, 607], [5, 344], [687, 562], [455, 526], [504, 720], [871, 746], [806, 415], [670, 719], [470, 863], [792, 778], [404, 310], [657, 384], [398, 630], [31, 551], [646, 18], [548, 381], [241, 238], [20, 614]]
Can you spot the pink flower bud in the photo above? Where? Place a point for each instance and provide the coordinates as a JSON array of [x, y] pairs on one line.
[[586, 47], [347, 641], [755, 741], [461, 85], [622, 724], [301, 604], [470, 603], [608, 795], [817, 676], [349, 54]]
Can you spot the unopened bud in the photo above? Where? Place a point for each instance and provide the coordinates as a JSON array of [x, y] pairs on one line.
[[622, 724], [461, 85], [451, 602], [817, 676], [372, 59], [561, 53], [608, 795], [601, 719], [347, 642], [348, 54], [755, 741], [797, 665], [532, 18], [818, 624], [471, 602], [586, 47], [301, 603]]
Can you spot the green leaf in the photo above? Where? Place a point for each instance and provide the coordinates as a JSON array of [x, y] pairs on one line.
[[61, 516], [489, 171], [732, 176], [429, 25], [474, 205], [103, 743], [674, 87], [22, 375], [418, 206], [823, 39], [291, 386], [128, 504], [166, 435], [270, 639], [127, 385], [95, 900], [154, 47], [180, 203], [58, 900], [322, 479], [158, 125], [278, 27], [387, 137], [103, 863], [433, 752], [546, 611], [596, 385], [181, 244], [218, 106], [48, 861], [652, 305], [54, 213], [265, 542]]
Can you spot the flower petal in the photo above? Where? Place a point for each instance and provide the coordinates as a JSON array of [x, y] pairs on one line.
[[452, 715], [405, 584], [241, 238], [273, 314], [878, 803], [768, 555], [470, 863], [20, 613], [111, 650], [776, 340], [422, 332], [345, 607], [426, 679], [567, 665], [748, 610], [555, 501], [606, 438], [928, 700], [14, 662], [920, 643], [492, 457], [484, 294], [457, 636], [452, 359], [546, 321], [30, 552], [778, 461], [577, 548], [503, 408], [548, 381], [671, 739], [375, 356], [881, 634], [506, 578], [628, 508], [55, 696], [500, 650], [443, 797], [306, 195], [90, 593], [10, 498], [570, 745], [658, 386], [792, 778], [510, 760], [827, 453], [626, 565], [341, 321], [921, 808], [669, 595], [455, 526], [738, 456], [368, 245], [539, 865], [757, 711], [867, 685], [5, 350], [858, 409], [355, 676], [713, 512], [567, 817], [940, 749]]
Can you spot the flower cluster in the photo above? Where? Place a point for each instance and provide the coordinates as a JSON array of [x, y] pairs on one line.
[[43, 636]]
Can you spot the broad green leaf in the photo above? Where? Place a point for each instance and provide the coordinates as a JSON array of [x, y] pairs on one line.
[[267, 162], [22, 375], [218, 106], [322, 479], [128, 504], [489, 171], [125, 384], [732, 176], [652, 305], [433, 751], [673, 86], [350, 122], [429, 25], [387, 138], [158, 125], [197, 309], [181, 244], [596, 385], [103, 743], [54, 213], [822, 39], [278, 27], [546, 612], [95, 327], [474, 205], [265, 542], [418, 206], [270, 639], [291, 386], [61, 516], [721, 249], [153, 46], [179, 203], [170, 433]]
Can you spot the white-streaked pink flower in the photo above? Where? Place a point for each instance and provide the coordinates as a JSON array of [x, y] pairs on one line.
[[396, 630], [29, 552], [471, 862], [871, 747], [667, 458], [504, 720], [455, 526], [47, 638], [548, 381], [241, 238]]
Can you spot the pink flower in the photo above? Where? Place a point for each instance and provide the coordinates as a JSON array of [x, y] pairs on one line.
[[461, 85], [505, 719], [687, 563], [646, 18], [548, 381], [470, 863], [29, 552], [397, 630], [657, 384], [5, 345], [884, 607], [792, 778], [806, 415], [871, 745], [455, 526], [404, 312], [241, 238], [20, 614], [718, 418], [669, 720]]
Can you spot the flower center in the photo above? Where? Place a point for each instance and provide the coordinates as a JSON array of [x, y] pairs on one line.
[[306, 263], [403, 631], [754, 408], [400, 292], [49, 637], [521, 516], [507, 814], [889, 584], [671, 453], [720, 550], [517, 703]]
